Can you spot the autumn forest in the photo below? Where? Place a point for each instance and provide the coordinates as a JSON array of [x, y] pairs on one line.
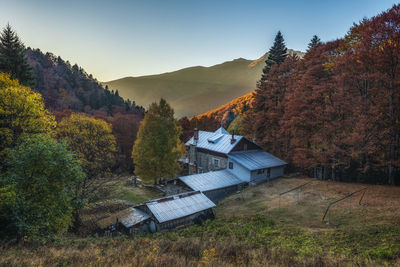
[[75, 154], [335, 111]]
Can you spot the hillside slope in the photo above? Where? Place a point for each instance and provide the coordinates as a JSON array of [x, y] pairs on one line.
[[195, 90], [236, 106], [65, 86]]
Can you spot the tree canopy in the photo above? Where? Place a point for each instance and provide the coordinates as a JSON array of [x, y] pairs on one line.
[[94, 144], [12, 57], [335, 113], [337, 109], [277, 53], [314, 42], [157, 148], [22, 112], [37, 191]]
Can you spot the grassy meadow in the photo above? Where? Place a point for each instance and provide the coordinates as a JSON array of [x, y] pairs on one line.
[[249, 230]]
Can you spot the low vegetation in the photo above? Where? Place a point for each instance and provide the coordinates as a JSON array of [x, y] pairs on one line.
[[250, 230]]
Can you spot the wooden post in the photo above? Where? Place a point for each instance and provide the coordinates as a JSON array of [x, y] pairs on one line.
[[279, 203], [350, 202], [298, 195], [329, 217]]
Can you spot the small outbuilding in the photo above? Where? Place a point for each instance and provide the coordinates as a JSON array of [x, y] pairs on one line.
[[216, 185], [129, 221], [179, 210]]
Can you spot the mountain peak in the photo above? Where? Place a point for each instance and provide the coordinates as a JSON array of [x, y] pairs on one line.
[[195, 90]]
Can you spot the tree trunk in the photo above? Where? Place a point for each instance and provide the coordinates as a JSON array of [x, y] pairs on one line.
[[391, 136], [77, 221]]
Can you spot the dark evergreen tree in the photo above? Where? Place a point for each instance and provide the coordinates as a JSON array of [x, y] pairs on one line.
[[277, 53], [314, 42], [229, 118], [12, 57]]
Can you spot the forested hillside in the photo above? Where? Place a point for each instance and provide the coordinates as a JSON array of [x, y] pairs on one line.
[[66, 86], [334, 113]]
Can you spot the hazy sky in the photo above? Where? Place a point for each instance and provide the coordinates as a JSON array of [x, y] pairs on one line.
[[114, 39]]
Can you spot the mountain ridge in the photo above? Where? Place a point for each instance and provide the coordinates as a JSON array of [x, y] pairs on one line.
[[197, 89]]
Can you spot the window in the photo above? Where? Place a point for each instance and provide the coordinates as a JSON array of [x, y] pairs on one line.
[[216, 163], [230, 165], [261, 171]]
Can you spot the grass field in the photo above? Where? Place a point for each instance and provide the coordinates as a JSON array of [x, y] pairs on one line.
[[250, 230], [121, 188]]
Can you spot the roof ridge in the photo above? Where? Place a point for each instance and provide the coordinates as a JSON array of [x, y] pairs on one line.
[[173, 197]]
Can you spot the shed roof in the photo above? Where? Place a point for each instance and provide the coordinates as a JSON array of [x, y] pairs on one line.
[[127, 217], [255, 159], [178, 206], [218, 141], [211, 180]]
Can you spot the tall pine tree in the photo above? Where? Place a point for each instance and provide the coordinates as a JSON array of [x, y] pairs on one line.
[[12, 57], [314, 42], [277, 53]]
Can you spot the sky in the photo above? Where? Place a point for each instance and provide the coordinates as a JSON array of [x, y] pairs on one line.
[[115, 39]]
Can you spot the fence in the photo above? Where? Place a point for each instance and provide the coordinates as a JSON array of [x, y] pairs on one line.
[[293, 189], [349, 196]]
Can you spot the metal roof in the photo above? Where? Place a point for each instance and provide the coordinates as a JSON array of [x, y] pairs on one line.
[[134, 216], [211, 180], [255, 159], [221, 130], [128, 217], [218, 141], [178, 206]]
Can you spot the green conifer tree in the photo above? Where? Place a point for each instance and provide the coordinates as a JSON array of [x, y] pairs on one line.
[[277, 53], [12, 57], [314, 42]]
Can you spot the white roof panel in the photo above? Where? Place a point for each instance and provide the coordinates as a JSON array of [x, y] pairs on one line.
[[178, 206], [210, 180], [222, 143], [255, 159]]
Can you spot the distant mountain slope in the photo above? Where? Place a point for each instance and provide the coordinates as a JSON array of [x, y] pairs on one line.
[[195, 90]]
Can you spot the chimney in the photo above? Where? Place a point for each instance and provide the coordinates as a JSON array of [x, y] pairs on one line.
[[233, 137], [196, 135]]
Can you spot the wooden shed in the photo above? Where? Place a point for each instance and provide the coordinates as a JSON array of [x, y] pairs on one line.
[[179, 210]]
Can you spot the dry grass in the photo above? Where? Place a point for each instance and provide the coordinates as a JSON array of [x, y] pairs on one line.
[[121, 188], [383, 202], [250, 230]]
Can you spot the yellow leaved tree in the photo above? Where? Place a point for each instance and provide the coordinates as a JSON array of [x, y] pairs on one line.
[[22, 112], [94, 143], [157, 148]]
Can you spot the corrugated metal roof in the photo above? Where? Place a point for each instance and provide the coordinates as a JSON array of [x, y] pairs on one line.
[[178, 206], [221, 130], [255, 159], [128, 217], [134, 216], [210, 180], [221, 144]]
